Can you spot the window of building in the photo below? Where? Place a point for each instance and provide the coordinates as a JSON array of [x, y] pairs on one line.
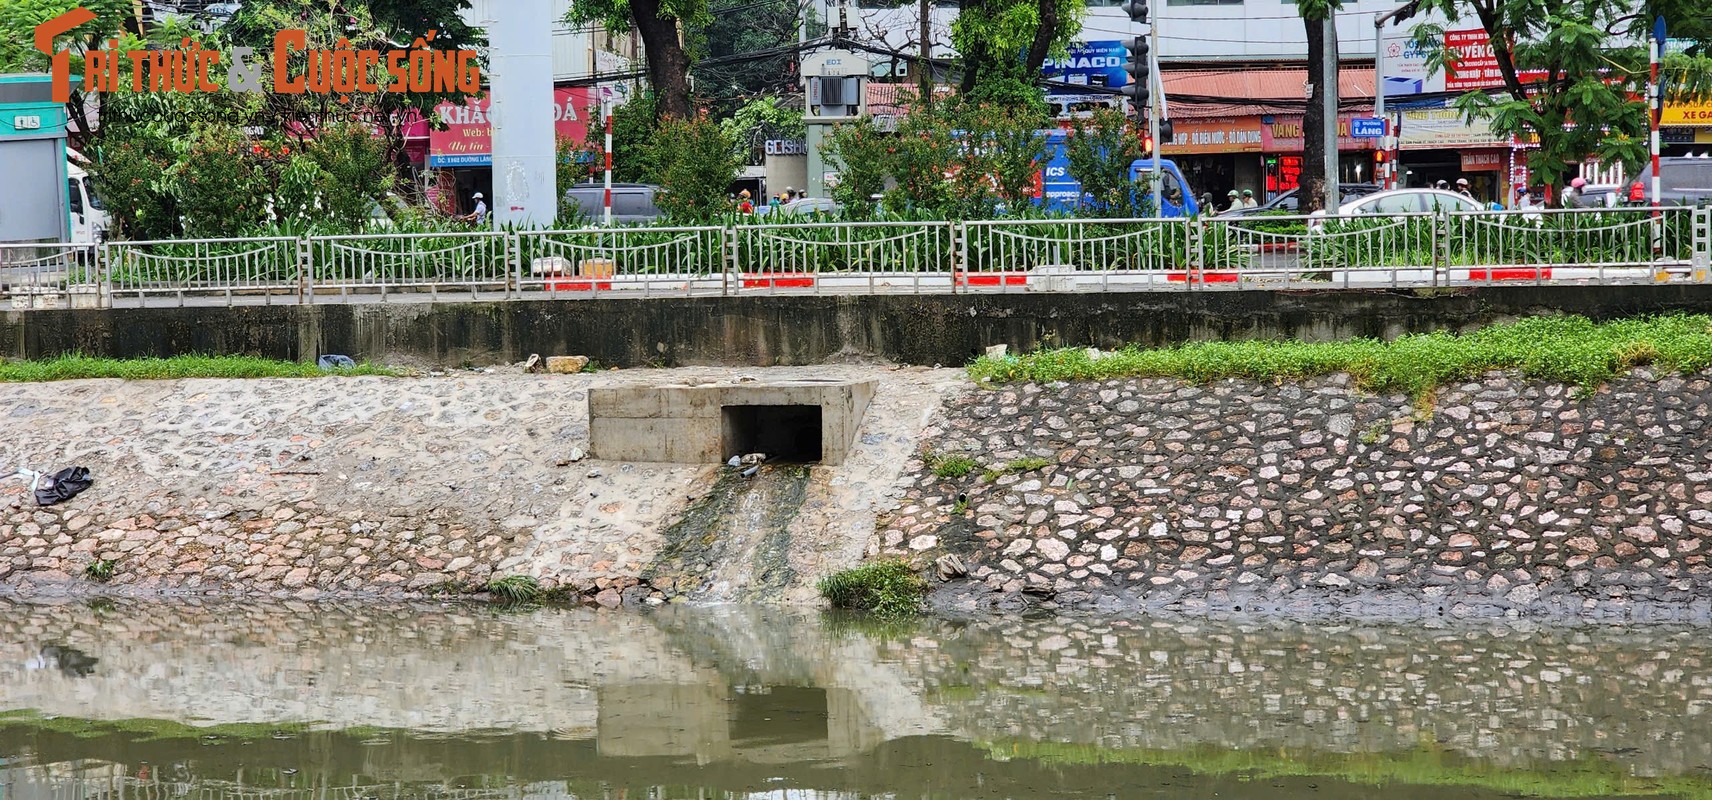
[[1207, 2]]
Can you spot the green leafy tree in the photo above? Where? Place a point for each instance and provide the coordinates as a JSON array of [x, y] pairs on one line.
[[220, 188], [131, 178], [759, 120], [859, 152], [355, 173], [634, 126], [920, 159], [658, 24], [989, 35], [380, 25], [1100, 150], [1316, 15], [1592, 57], [694, 162]]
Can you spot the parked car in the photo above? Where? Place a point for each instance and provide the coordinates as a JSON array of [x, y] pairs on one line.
[[810, 205], [1404, 201], [1291, 202], [632, 203]]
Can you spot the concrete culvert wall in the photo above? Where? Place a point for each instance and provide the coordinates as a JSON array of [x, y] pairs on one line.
[[787, 434]]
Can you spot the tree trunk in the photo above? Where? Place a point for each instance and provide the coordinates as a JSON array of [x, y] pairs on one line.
[[924, 67], [1043, 35], [972, 60], [668, 65], [1312, 192]]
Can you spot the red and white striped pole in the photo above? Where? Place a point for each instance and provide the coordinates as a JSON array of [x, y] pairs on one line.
[[1655, 103], [606, 113]]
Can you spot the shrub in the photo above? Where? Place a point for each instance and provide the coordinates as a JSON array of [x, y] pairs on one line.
[[694, 162], [884, 588], [100, 571]]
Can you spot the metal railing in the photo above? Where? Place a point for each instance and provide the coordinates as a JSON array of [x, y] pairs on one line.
[[49, 276], [628, 261], [1418, 250]]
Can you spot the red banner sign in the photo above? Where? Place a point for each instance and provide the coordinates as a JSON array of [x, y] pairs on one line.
[[467, 140]]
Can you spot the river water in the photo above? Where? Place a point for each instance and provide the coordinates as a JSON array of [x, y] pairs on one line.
[[116, 699]]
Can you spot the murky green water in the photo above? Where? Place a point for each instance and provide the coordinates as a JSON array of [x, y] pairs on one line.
[[294, 702]]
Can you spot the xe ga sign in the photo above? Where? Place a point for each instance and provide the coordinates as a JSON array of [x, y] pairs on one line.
[[340, 70]]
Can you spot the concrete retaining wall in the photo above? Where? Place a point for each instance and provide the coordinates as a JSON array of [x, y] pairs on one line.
[[794, 330]]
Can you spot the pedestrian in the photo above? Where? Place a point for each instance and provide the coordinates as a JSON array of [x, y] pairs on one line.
[[1233, 200], [1462, 188], [1207, 206], [744, 205], [1572, 196], [1248, 199], [790, 194], [1442, 186]]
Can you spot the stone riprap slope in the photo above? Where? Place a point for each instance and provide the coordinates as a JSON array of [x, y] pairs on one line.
[[393, 485], [1316, 498]]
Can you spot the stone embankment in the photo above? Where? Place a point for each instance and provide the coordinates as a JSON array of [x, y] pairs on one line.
[[391, 486], [1312, 498]]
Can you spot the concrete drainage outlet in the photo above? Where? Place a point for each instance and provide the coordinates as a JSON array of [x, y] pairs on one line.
[[791, 421]]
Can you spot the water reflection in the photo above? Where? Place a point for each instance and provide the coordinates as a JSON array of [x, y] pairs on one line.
[[296, 702]]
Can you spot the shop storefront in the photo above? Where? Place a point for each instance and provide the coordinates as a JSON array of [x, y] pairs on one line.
[[461, 154], [1259, 152], [1685, 129], [1438, 144]]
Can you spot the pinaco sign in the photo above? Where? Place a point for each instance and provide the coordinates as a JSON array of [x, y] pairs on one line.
[[292, 68]]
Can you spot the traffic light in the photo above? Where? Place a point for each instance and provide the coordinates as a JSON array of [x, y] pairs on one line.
[[1146, 144], [1166, 134], [1140, 70], [1137, 10]]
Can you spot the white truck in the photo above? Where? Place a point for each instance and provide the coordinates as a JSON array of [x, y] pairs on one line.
[[89, 218]]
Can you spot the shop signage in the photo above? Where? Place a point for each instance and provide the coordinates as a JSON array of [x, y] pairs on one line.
[[1476, 66], [785, 147], [1686, 114], [1444, 128], [1284, 135], [1099, 64], [467, 137], [1483, 162]]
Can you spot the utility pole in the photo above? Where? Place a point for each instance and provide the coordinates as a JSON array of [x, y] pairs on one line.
[[1140, 87], [1156, 185], [1329, 101], [924, 78], [1381, 172]]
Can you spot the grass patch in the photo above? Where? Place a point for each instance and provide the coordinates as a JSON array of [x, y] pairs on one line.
[[1564, 349], [76, 367], [946, 466], [516, 589], [1028, 464], [100, 570], [886, 589]]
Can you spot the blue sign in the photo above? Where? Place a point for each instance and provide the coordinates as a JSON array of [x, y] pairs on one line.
[[1367, 127], [1097, 64], [461, 160]]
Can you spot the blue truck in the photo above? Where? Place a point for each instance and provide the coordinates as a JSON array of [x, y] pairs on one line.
[[1062, 193]]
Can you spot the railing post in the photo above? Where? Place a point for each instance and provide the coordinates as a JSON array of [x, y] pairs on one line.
[[959, 254], [103, 277], [514, 257], [733, 278], [305, 271], [1701, 256], [1441, 248]]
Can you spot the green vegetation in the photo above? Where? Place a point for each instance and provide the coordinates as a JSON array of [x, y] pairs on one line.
[[516, 589], [100, 570], [948, 466], [76, 367], [1568, 349], [1424, 766], [1028, 464], [886, 589]]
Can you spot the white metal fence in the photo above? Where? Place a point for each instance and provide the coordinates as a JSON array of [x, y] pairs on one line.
[[1425, 250]]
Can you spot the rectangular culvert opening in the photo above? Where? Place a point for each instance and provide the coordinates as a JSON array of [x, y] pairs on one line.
[[789, 434]]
